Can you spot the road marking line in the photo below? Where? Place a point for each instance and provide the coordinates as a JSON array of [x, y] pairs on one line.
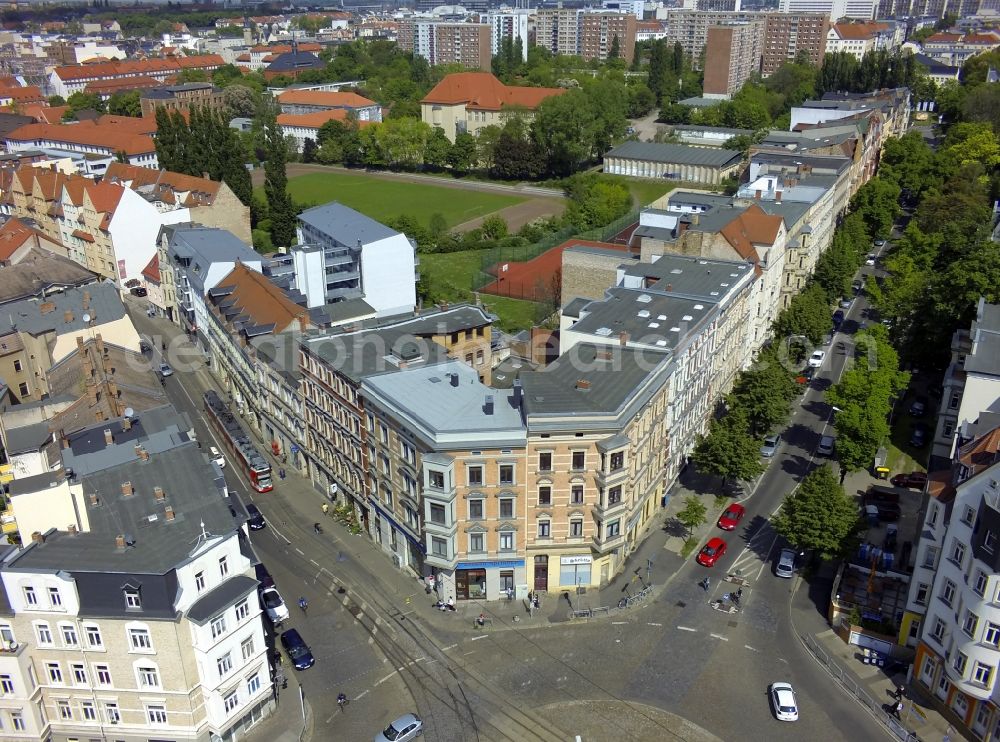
[[477, 638], [300, 552], [686, 628], [314, 562], [619, 623], [450, 646], [752, 649], [397, 670], [719, 636], [653, 624], [361, 695]]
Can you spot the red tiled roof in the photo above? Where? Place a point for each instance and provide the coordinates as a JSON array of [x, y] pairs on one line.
[[46, 114], [27, 94], [858, 31], [140, 82], [981, 38], [323, 98], [753, 226], [105, 196], [152, 269], [943, 38], [317, 119], [102, 133], [82, 235], [483, 91], [164, 183], [138, 67], [15, 233], [262, 301]]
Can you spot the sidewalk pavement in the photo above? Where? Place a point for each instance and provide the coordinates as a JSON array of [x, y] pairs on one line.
[[872, 685]]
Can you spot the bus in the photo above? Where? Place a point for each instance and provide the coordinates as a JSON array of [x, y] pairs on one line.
[[254, 466]]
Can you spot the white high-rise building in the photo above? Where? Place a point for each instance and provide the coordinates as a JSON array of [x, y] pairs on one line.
[[509, 24], [860, 9]]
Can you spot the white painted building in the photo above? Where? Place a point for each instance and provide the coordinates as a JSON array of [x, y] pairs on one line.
[[860, 9], [509, 24]]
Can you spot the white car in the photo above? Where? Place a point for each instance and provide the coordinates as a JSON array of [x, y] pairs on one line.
[[274, 606], [785, 566], [817, 358], [217, 458], [783, 700], [870, 260]]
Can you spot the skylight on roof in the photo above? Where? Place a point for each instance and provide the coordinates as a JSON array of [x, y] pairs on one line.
[[603, 331], [644, 299], [654, 325], [662, 343], [661, 317], [643, 313], [698, 306], [687, 318], [676, 271]]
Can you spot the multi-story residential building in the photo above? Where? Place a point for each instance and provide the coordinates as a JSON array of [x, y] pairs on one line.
[[650, 30], [558, 30], [441, 42], [132, 605], [251, 329], [954, 49], [470, 101], [509, 24], [446, 477], [334, 364], [343, 254], [732, 55], [633, 7], [35, 335], [69, 79], [952, 604], [181, 98], [834, 9], [315, 101], [789, 35], [601, 32], [196, 259], [972, 381], [41, 274], [689, 28], [108, 135], [18, 240], [856, 39]]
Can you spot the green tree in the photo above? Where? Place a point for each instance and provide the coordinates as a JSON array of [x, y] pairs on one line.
[[240, 100], [437, 150], [877, 201], [125, 104], [462, 155], [807, 315], [309, 149], [763, 394], [437, 225], [494, 227], [819, 516], [82, 102], [595, 202], [281, 209], [641, 101], [615, 52], [728, 451], [516, 156], [56, 100], [564, 128], [693, 514]]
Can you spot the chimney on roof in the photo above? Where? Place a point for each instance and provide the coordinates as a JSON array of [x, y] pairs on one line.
[[72, 529], [86, 300], [143, 454], [582, 385], [488, 405], [68, 315], [454, 379], [756, 195], [623, 338], [670, 287], [108, 438], [37, 538], [169, 512], [120, 542], [94, 502], [159, 494], [126, 423], [79, 342], [65, 442], [518, 393], [46, 306], [777, 197], [127, 489]]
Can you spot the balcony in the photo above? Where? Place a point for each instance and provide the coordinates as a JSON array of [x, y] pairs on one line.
[[607, 544], [610, 510], [7, 522]]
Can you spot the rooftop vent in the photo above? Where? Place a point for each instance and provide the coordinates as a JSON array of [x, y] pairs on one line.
[[169, 512], [158, 493], [127, 489], [687, 318], [583, 385]]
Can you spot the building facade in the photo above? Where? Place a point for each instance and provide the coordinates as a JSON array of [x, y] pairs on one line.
[[439, 42], [732, 54]]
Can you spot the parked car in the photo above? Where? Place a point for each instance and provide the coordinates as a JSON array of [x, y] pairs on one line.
[[732, 517], [138, 291], [817, 358], [918, 438], [913, 480], [870, 260], [217, 458], [783, 701], [263, 576], [845, 303], [711, 552], [165, 370], [785, 565], [405, 728], [826, 445], [274, 606], [876, 495], [838, 319], [886, 512], [298, 651], [770, 446], [918, 408], [879, 243], [858, 286], [256, 518]]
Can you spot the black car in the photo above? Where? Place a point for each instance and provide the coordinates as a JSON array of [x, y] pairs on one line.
[[256, 518], [263, 576], [918, 408], [138, 291], [918, 439], [838, 319], [298, 651]]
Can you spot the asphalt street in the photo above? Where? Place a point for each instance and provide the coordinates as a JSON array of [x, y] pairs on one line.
[[674, 668]]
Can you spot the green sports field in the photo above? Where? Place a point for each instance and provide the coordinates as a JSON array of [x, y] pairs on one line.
[[383, 198]]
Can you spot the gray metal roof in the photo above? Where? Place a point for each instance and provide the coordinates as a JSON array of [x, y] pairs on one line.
[[712, 129], [378, 348], [700, 102], [986, 358], [203, 246], [158, 544], [707, 280], [792, 160], [104, 305], [27, 438], [574, 308], [441, 405], [345, 225], [612, 375], [209, 606], [676, 154]]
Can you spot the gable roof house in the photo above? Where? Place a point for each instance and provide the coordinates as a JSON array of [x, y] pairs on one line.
[[469, 101], [18, 240], [107, 135], [68, 79]]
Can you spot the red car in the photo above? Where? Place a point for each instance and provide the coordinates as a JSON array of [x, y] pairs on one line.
[[913, 480], [711, 552], [732, 517]]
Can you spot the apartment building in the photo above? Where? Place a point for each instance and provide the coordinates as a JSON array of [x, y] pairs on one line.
[[558, 30], [131, 605], [689, 28], [40, 274], [952, 605], [181, 98], [470, 101], [787, 35], [35, 335], [314, 101], [509, 24], [732, 55], [954, 49], [343, 254], [68, 79], [440, 42], [600, 31], [107, 136], [971, 383], [863, 10], [334, 364], [18, 240], [856, 39], [446, 474]]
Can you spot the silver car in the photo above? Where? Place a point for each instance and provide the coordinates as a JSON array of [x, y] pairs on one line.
[[406, 727], [770, 446], [785, 566]]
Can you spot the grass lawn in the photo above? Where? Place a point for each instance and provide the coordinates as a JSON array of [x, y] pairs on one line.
[[382, 198], [514, 314], [644, 190]]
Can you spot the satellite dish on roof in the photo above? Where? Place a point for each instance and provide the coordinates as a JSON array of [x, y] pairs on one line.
[[129, 412], [86, 318]]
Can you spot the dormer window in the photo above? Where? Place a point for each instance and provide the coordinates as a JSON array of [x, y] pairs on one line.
[[132, 597]]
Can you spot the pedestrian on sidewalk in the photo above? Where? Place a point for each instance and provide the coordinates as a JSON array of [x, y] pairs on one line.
[[897, 708], [705, 584], [900, 689], [326, 508]]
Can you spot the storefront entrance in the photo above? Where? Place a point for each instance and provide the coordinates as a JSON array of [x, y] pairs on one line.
[[470, 584], [542, 573]]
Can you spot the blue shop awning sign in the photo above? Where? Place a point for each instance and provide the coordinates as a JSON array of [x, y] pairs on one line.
[[503, 564]]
